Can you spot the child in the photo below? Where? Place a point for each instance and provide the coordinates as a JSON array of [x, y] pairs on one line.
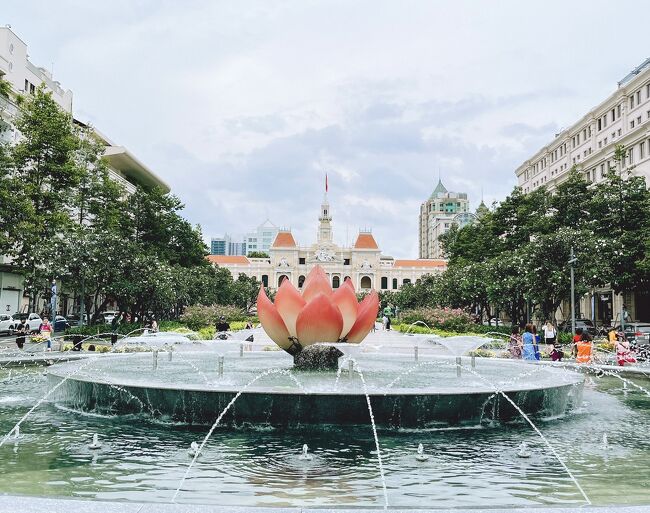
[[45, 330]]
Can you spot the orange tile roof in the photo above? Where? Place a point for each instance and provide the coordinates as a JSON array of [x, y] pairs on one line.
[[284, 240], [420, 263], [365, 241], [227, 259]]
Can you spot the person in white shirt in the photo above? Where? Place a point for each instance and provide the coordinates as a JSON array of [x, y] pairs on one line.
[[550, 335]]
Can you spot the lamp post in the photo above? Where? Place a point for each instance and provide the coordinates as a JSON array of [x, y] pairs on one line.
[[53, 304], [572, 261]]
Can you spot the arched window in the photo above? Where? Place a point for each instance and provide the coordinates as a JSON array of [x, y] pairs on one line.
[[347, 278], [265, 280], [336, 282], [384, 282], [394, 283], [301, 281], [366, 283], [282, 278], [405, 281]]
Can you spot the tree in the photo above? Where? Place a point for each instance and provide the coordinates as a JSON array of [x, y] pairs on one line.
[[42, 180], [258, 254]]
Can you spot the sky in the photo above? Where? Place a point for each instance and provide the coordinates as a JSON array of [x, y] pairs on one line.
[[243, 106]]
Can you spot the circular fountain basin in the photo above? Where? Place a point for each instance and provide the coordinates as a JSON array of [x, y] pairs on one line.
[[434, 391]]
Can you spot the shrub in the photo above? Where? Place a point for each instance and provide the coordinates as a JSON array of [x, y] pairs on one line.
[[448, 319], [200, 316], [482, 353]]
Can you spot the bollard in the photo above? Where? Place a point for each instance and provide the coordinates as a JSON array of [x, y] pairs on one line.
[[350, 368], [155, 359], [473, 362], [170, 354], [241, 349], [458, 362], [220, 366], [416, 353]]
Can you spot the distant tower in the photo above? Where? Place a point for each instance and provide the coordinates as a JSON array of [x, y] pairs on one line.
[[325, 219], [437, 215]]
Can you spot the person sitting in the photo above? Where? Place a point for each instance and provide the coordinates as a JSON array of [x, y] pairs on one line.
[[21, 331], [574, 345], [623, 353], [584, 349], [556, 353]]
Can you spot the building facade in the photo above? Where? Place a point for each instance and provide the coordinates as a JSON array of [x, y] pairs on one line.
[[623, 118], [24, 77], [437, 215], [262, 238], [589, 144], [363, 262]]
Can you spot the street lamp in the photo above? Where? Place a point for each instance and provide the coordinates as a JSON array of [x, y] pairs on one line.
[[572, 261]]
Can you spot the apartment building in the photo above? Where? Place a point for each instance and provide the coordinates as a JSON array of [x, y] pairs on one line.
[[589, 144]]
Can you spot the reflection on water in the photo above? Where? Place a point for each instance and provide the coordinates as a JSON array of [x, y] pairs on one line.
[[144, 460]]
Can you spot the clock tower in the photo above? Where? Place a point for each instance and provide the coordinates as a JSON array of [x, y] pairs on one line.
[[325, 220]]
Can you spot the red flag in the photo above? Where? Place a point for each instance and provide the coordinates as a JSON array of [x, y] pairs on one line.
[[325, 182]]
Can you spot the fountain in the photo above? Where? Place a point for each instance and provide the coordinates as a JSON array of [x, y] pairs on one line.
[[250, 405]]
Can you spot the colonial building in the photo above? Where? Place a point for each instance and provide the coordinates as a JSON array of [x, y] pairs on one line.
[[623, 118], [437, 215], [363, 262]]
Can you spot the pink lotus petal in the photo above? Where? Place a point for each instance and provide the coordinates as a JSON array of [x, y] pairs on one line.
[[349, 283], [316, 283], [366, 318], [319, 321], [346, 300], [272, 321], [289, 302]]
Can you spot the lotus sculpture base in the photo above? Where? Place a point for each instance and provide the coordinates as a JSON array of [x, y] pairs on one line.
[[317, 357]]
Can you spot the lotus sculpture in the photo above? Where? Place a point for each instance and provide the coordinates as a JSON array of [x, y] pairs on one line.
[[319, 314]]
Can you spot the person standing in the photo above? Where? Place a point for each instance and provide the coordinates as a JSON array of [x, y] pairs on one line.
[[536, 341], [585, 348], [528, 340], [550, 335], [20, 334], [45, 329], [154, 325], [514, 343]]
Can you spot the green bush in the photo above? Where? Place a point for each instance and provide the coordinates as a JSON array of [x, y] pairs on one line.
[[448, 319], [200, 316], [96, 329]]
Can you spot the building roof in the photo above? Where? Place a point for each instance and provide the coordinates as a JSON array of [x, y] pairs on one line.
[[420, 263], [365, 241], [228, 259], [284, 239], [440, 189]]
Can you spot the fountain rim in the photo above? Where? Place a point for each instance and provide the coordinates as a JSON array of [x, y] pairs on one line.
[[570, 378]]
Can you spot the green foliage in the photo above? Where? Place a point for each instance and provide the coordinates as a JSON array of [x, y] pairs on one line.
[[200, 316], [5, 88], [447, 319], [258, 254]]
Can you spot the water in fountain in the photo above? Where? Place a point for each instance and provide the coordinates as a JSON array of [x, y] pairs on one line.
[[421, 456], [95, 443], [523, 451], [461, 345], [305, 453]]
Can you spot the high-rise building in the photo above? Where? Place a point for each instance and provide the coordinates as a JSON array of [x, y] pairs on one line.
[[623, 118], [226, 246], [262, 238], [437, 214]]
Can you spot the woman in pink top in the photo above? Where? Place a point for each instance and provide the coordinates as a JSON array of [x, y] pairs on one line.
[[46, 331]]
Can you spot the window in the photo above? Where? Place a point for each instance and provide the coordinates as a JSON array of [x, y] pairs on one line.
[[619, 132], [602, 170], [599, 125], [26, 88], [618, 110], [632, 124], [638, 120], [346, 261], [638, 97], [405, 281], [265, 280], [394, 283], [384, 282], [647, 91], [641, 149], [613, 115], [336, 282], [366, 282], [281, 278], [301, 261], [301, 281], [632, 102]]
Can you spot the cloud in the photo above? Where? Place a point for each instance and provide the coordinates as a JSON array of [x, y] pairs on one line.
[[243, 106]]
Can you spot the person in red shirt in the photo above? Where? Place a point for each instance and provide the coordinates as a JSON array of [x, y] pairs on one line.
[[46, 330], [576, 338]]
